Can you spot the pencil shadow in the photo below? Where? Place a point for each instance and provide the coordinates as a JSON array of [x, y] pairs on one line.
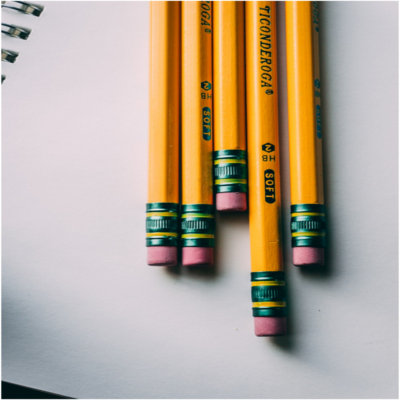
[[175, 270], [283, 342], [234, 216], [206, 272]]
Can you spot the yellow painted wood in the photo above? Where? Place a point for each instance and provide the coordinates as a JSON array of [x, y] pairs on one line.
[[262, 128], [163, 178], [305, 147], [229, 84], [197, 177]]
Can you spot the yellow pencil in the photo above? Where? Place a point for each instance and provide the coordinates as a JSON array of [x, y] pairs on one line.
[[197, 134], [305, 136], [230, 166], [162, 219], [267, 276]]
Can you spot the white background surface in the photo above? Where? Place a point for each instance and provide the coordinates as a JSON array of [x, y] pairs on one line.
[[82, 313]]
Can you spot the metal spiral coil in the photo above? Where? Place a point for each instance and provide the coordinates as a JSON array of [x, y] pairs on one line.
[[23, 7], [15, 31]]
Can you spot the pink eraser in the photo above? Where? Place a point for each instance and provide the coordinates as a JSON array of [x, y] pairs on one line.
[[270, 326], [308, 256], [162, 255], [197, 256], [232, 201]]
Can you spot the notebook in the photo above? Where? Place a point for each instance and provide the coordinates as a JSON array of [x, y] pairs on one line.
[[84, 316]]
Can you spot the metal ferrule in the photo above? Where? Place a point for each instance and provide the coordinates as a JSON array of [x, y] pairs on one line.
[[198, 225], [268, 294], [308, 224], [162, 224], [230, 171]]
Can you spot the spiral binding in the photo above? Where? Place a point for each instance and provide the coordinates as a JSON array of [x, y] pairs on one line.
[[8, 55], [23, 7], [15, 31]]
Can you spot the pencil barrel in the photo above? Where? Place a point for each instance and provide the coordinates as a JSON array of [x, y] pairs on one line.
[[230, 160], [162, 209], [197, 125], [308, 223], [317, 96], [267, 276], [164, 102], [263, 137]]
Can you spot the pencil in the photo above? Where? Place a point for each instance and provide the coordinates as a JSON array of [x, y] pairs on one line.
[[267, 275], [198, 222], [230, 165], [162, 218], [305, 135]]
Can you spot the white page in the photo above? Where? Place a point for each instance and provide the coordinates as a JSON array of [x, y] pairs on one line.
[[85, 317]]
